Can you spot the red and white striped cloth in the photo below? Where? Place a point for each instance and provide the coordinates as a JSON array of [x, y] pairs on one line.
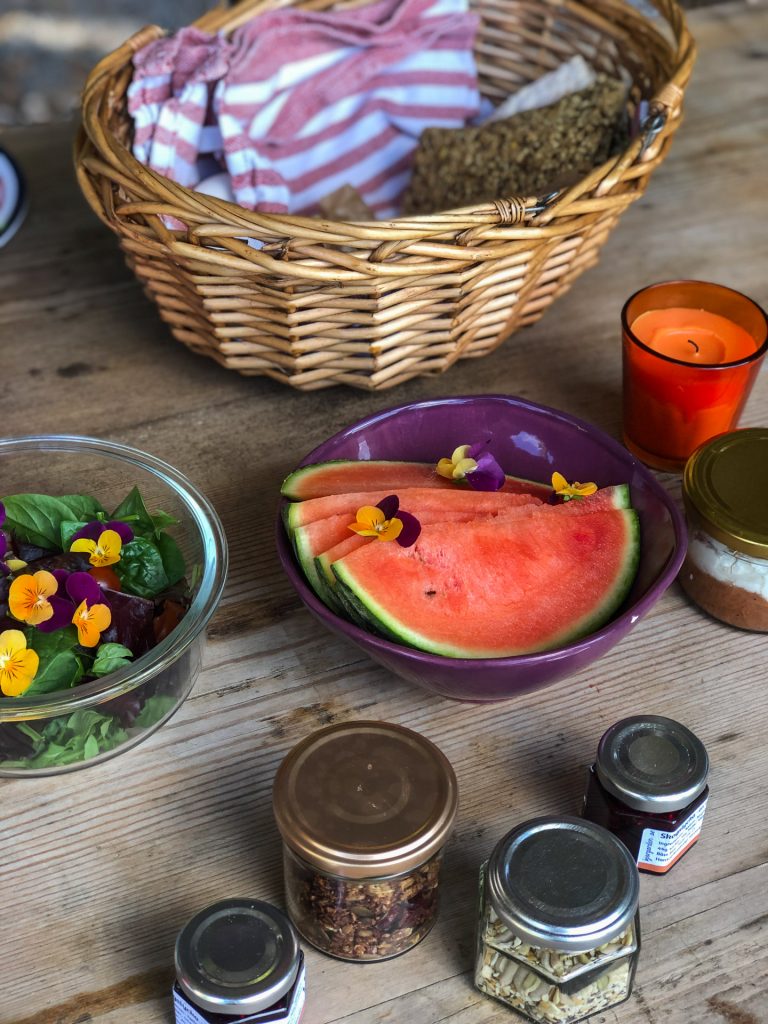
[[298, 103]]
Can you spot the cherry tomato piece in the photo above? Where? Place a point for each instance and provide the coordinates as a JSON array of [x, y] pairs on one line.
[[106, 578], [168, 619]]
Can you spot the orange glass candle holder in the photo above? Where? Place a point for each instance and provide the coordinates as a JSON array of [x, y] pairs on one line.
[[691, 353]]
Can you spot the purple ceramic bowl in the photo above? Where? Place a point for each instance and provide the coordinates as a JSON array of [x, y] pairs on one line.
[[530, 441]]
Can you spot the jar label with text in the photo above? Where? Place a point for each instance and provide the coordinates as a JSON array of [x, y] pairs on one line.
[[659, 850]]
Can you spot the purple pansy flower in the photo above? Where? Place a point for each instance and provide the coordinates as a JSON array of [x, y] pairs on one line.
[[473, 464], [78, 586], [488, 476], [409, 534], [93, 530], [3, 539]]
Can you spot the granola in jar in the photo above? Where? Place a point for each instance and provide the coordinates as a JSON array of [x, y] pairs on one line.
[[558, 935], [362, 920], [364, 810]]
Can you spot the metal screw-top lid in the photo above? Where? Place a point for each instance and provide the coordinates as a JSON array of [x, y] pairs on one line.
[[725, 488], [365, 799], [563, 883], [237, 957], [652, 763]]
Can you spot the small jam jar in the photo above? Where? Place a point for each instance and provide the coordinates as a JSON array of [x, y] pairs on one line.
[[725, 490], [648, 786], [238, 960], [558, 936], [364, 809]]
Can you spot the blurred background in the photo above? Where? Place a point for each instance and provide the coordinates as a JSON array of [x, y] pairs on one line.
[[47, 47]]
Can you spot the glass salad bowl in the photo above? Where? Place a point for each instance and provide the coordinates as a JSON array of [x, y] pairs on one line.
[[51, 732]]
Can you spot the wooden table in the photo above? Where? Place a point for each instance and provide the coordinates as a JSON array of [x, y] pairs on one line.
[[99, 869]]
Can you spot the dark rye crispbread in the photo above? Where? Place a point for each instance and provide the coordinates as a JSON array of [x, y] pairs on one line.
[[529, 154]]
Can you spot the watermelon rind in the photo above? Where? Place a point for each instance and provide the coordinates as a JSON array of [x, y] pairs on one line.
[[378, 619], [306, 560], [295, 484]]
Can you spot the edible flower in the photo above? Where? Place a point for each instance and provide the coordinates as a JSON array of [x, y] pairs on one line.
[[567, 491], [3, 539], [18, 666], [92, 615], [471, 462], [29, 597], [102, 541], [73, 588], [386, 521]]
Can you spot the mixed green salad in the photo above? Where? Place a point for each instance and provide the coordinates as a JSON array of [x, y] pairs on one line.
[[83, 592]]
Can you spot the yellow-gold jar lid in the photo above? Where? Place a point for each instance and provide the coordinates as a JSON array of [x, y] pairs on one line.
[[725, 489]]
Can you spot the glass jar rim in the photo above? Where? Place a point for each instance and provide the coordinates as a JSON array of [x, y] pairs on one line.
[[759, 352], [171, 648]]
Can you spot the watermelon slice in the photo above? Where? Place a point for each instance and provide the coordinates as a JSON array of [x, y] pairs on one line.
[[417, 500], [348, 476], [506, 587], [307, 540]]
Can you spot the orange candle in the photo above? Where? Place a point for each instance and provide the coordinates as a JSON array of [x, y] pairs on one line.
[[691, 353], [693, 335]]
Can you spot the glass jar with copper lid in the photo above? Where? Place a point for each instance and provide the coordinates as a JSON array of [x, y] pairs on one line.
[[725, 490], [364, 810]]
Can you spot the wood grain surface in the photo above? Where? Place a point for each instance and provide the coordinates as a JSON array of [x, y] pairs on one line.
[[99, 869]]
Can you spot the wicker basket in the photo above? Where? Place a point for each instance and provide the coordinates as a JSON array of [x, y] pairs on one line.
[[374, 304]]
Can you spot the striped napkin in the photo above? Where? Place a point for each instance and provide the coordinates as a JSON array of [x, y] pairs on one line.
[[296, 104]]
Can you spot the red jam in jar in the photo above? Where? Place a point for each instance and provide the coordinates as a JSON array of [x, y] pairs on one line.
[[238, 962], [648, 786]]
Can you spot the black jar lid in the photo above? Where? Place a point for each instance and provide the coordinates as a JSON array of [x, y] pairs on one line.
[[237, 957], [652, 763], [563, 883]]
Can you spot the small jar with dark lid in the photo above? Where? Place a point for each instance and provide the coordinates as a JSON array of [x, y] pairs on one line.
[[648, 786], [558, 937], [364, 809], [239, 959], [725, 490]]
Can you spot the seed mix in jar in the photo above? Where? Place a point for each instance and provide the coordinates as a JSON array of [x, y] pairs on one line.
[[558, 935]]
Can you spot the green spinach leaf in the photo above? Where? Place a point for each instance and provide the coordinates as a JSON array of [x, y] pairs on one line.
[[140, 569], [173, 560], [60, 665], [68, 528], [132, 510], [109, 658], [37, 518]]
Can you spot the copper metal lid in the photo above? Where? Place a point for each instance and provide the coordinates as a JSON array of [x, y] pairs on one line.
[[652, 763], [725, 488], [563, 883], [237, 957], [365, 799]]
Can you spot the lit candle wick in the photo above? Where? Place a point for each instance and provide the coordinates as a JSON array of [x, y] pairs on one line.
[[695, 346]]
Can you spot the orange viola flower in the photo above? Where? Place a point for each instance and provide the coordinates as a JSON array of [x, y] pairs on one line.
[[28, 597], [18, 666], [91, 621]]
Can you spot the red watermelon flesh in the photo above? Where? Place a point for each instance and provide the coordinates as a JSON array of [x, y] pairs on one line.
[[310, 540], [497, 589], [348, 476], [417, 500]]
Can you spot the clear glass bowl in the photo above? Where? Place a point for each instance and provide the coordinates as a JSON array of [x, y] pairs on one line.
[[127, 714]]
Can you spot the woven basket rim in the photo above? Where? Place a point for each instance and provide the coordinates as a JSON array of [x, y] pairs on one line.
[[444, 223]]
